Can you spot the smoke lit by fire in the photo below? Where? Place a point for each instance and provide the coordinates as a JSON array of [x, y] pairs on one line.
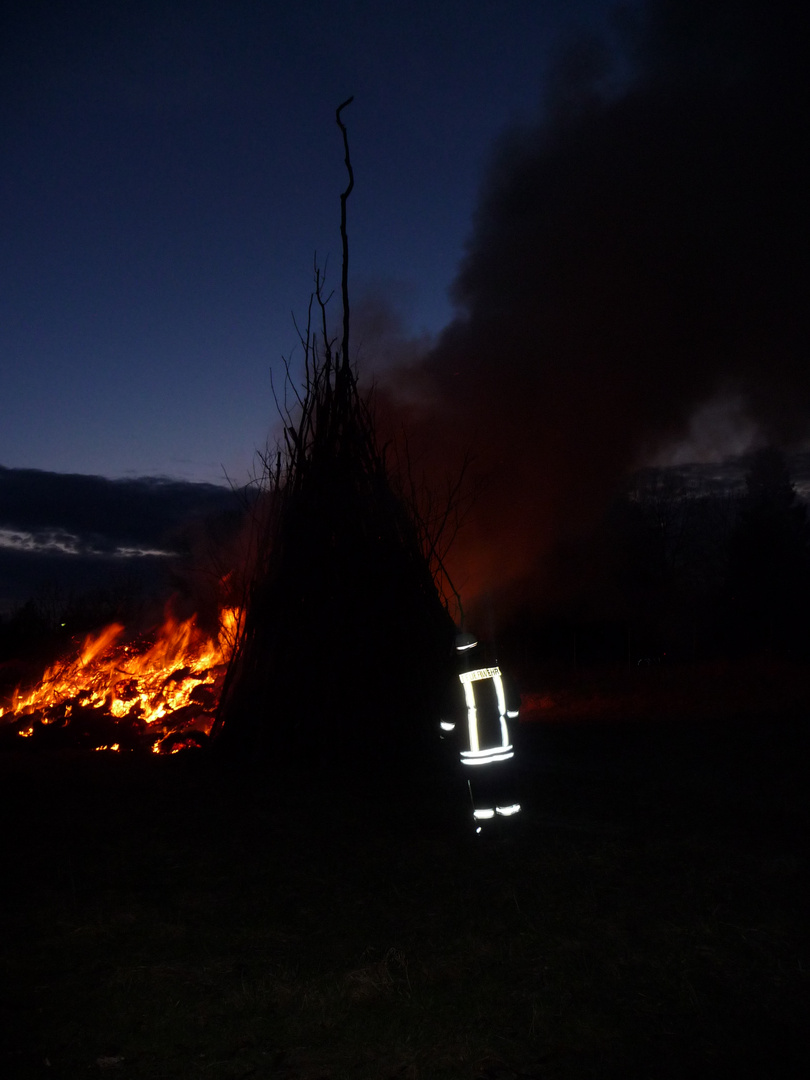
[[638, 260], [115, 694]]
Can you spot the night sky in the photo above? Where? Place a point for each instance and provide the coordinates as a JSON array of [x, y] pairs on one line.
[[578, 238], [171, 169]]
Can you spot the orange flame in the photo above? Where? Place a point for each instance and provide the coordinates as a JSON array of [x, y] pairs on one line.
[[166, 691]]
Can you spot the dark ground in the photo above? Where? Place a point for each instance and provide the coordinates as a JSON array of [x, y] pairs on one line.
[[644, 916]]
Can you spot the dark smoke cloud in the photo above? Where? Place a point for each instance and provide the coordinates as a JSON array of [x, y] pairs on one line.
[[634, 256]]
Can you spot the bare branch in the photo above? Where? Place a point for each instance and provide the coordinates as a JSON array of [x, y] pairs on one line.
[[343, 235]]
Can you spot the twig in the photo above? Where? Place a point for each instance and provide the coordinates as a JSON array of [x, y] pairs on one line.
[[343, 234]]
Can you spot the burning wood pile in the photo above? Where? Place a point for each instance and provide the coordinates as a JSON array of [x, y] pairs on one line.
[[158, 691]]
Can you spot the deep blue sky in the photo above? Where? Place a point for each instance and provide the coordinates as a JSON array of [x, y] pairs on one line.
[[169, 171]]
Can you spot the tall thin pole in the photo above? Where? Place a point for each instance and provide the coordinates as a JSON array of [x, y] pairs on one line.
[[344, 236]]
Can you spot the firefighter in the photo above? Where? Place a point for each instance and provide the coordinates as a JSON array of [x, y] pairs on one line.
[[477, 721]]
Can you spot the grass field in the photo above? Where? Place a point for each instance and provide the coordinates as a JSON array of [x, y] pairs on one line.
[[644, 916]]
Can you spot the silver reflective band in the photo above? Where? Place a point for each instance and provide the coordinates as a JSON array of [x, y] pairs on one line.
[[511, 713], [507, 811], [483, 815], [484, 757], [447, 726]]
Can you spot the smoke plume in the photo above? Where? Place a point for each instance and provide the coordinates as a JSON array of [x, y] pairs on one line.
[[639, 254]]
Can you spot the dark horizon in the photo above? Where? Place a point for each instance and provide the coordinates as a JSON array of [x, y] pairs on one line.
[[65, 534]]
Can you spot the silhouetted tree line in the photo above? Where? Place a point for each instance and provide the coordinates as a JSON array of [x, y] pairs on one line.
[[47, 625], [44, 625]]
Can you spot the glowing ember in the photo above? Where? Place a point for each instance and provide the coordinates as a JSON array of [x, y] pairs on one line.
[[115, 694]]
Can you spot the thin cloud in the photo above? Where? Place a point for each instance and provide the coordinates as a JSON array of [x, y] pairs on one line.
[[46, 543]]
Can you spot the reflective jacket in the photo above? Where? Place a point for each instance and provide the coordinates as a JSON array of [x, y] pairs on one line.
[[480, 724]]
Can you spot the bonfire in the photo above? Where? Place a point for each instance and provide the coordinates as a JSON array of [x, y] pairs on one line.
[[114, 693]]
